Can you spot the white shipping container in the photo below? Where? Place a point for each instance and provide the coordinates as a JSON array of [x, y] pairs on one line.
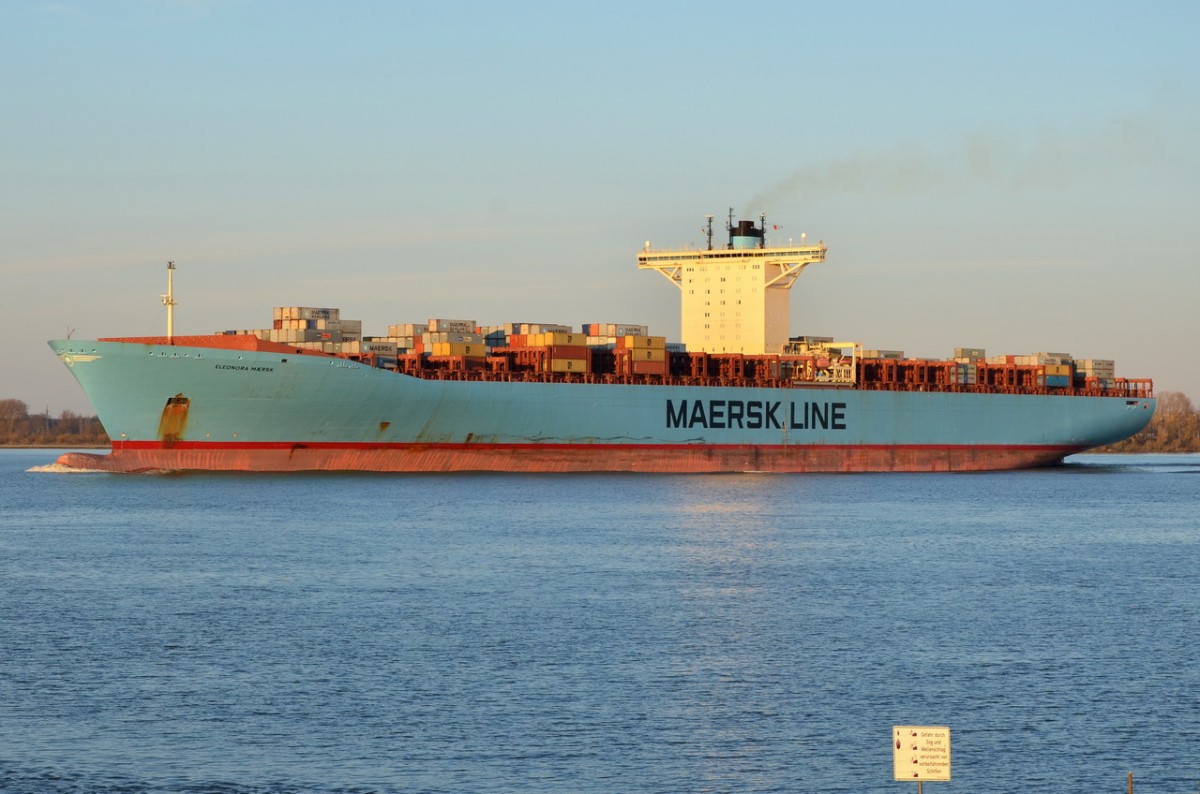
[[446, 337], [544, 328], [318, 313], [359, 347], [379, 348], [1094, 364], [619, 329], [442, 325], [408, 329], [307, 313], [1104, 369]]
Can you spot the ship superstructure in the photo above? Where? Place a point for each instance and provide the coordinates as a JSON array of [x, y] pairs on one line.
[[736, 299]]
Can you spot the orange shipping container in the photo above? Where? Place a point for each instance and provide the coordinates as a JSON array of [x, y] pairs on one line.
[[459, 349], [642, 341], [548, 339], [648, 354], [568, 365]]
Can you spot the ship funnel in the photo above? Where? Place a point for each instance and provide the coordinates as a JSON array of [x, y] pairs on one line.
[[745, 235]]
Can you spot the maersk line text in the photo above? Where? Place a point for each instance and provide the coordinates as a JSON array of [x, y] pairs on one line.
[[756, 414]]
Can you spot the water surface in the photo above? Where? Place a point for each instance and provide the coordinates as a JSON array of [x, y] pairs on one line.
[[598, 633]]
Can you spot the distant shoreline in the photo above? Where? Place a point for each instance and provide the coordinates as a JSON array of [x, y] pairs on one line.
[[55, 446]]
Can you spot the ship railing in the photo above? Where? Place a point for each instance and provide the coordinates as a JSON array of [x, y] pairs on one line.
[[839, 374]]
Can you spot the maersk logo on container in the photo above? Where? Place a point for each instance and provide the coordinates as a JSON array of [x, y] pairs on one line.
[[756, 415]]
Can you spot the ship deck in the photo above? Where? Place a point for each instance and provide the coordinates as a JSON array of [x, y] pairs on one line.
[[605, 366]]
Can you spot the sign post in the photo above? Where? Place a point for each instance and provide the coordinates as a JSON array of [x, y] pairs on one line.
[[920, 753]]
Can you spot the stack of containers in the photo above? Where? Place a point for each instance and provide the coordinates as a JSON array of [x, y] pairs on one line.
[[1102, 369], [384, 351], [496, 335], [605, 335], [565, 352], [1055, 369], [647, 354], [453, 338], [408, 336], [296, 325], [967, 359]]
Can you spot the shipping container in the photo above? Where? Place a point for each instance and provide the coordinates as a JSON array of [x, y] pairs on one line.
[[459, 349], [544, 328], [442, 325], [649, 368], [615, 329], [434, 337], [969, 352], [641, 341], [307, 313], [408, 329], [567, 365], [1097, 367], [558, 338], [352, 347], [566, 351]]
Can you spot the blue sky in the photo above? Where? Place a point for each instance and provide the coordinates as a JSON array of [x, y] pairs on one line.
[[1021, 177]]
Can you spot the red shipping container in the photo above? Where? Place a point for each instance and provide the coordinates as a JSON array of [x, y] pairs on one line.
[[568, 351], [649, 368]]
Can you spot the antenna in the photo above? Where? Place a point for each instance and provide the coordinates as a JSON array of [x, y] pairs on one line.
[[169, 301], [709, 231], [762, 222], [729, 227]]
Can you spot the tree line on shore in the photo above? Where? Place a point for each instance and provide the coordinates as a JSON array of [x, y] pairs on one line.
[[1174, 428], [19, 428]]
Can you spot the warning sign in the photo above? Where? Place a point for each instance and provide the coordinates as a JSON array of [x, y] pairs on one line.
[[921, 752]]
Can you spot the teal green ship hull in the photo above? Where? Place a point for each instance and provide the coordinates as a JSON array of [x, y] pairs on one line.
[[179, 407]]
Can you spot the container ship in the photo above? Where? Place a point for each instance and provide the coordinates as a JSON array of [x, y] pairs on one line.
[[736, 394]]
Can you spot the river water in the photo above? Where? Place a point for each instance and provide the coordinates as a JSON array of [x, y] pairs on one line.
[[598, 633]]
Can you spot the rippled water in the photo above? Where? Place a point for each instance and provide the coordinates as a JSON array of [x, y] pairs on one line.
[[603, 633]]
